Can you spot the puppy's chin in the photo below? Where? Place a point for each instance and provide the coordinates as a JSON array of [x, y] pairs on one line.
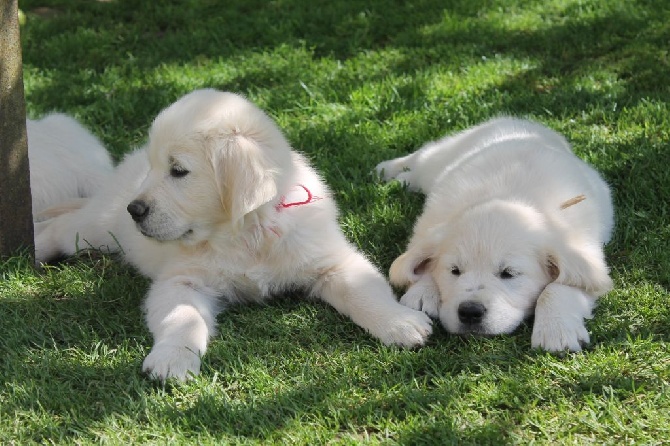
[[487, 327], [472, 330], [186, 235], [483, 330]]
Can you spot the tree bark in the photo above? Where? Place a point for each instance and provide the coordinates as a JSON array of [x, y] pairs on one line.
[[16, 220]]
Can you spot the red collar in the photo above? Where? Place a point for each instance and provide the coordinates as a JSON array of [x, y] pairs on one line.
[[299, 196]]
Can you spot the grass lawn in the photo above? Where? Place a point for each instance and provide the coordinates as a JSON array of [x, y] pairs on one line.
[[351, 83]]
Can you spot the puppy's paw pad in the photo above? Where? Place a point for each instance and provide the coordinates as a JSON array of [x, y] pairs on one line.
[[170, 361], [412, 300], [418, 300], [559, 336]]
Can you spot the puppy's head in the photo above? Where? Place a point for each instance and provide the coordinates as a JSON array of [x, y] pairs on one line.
[[214, 158], [492, 262]]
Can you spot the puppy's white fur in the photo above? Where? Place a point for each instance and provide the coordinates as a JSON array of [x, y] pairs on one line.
[[66, 162], [232, 215], [504, 235]]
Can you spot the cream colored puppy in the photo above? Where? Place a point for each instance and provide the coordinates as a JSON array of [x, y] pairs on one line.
[[513, 225], [218, 209], [66, 162]]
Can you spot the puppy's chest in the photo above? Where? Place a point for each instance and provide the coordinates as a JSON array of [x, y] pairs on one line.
[[257, 275]]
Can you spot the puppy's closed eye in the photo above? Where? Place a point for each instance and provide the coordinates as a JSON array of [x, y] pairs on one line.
[[508, 273], [177, 171]]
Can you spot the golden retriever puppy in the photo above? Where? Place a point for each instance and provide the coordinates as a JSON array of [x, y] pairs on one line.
[[513, 225], [219, 209], [66, 162]]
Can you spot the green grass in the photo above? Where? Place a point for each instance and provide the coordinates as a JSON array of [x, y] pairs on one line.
[[351, 83]]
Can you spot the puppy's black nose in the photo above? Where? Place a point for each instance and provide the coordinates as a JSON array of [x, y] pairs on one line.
[[471, 312], [138, 209]]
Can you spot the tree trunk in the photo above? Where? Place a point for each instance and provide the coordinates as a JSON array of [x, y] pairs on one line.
[[16, 220]]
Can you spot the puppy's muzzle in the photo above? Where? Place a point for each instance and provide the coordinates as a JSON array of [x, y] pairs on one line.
[[471, 313], [138, 209]]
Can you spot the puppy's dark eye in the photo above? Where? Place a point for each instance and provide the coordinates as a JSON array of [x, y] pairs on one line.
[[508, 273], [455, 271], [178, 172]]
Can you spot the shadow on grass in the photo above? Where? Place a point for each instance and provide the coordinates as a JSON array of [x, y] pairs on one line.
[[82, 45], [305, 364]]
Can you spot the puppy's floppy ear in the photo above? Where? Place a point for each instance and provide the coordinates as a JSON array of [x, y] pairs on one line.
[[245, 178], [580, 264], [418, 259], [409, 267]]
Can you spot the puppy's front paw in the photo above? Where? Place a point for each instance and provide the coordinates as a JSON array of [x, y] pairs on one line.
[[420, 298], [407, 328], [559, 318], [171, 361], [556, 335]]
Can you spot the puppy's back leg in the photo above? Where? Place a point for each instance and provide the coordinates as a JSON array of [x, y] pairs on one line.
[[68, 233], [357, 289], [60, 209]]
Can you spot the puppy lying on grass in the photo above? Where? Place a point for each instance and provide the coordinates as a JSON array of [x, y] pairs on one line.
[[513, 225], [67, 162], [219, 209]]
